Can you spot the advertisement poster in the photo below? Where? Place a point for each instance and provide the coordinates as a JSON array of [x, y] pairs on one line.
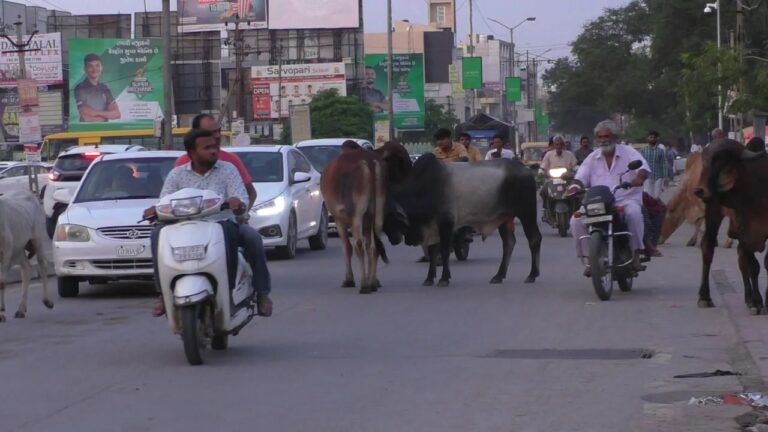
[[212, 15], [303, 14], [43, 64], [472, 73], [408, 92], [275, 88], [115, 84]]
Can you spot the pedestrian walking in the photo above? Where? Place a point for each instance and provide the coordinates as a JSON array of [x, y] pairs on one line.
[[656, 157]]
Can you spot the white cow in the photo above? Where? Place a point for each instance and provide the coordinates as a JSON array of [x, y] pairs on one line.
[[22, 230]]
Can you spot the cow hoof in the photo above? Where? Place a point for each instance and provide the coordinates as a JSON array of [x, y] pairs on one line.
[[348, 284], [754, 311], [443, 283], [2, 318], [497, 280], [19, 314], [366, 290], [530, 279], [428, 283], [691, 244], [377, 284], [706, 304], [48, 303]]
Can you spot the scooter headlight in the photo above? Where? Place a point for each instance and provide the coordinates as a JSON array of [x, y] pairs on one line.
[[557, 172], [187, 206], [595, 209], [189, 253]]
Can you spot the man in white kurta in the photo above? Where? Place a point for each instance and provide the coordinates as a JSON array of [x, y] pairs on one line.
[[604, 167]]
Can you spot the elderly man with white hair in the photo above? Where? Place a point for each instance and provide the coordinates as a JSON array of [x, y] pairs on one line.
[[603, 168]]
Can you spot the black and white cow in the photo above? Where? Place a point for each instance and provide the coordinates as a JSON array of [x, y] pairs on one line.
[[440, 198]]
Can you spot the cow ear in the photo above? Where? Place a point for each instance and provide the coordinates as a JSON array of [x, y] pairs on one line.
[[726, 180]]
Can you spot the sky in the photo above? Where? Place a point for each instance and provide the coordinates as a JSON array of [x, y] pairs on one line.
[[558, 22]]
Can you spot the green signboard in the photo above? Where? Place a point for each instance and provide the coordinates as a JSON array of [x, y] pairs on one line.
[[115, 84], [408, 92], [472, 72], [542, 121], [514, 86]]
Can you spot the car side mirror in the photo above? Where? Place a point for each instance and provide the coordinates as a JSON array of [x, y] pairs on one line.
[[62, 196], [301, 177]]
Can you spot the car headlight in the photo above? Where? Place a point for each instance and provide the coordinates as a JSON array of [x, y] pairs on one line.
[[595, 209], [189, 253], [72, 233], [271, 208], [557, 172]]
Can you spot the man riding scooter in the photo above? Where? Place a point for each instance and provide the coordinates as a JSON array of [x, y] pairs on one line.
[[552, 166], [205, 171]]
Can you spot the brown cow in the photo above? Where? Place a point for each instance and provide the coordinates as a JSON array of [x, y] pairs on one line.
[[354, 186], [685, 206], [733, 178]]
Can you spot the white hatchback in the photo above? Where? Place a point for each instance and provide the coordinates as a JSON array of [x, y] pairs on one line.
[[98, 237], [289, 206], [16, 177]]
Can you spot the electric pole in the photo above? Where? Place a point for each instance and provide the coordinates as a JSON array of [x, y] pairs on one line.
[[239, 79], [390, 77], [167, 84], [471, 53], [20, 49]]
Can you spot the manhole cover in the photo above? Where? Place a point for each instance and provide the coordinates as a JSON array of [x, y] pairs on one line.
[[572, 354]]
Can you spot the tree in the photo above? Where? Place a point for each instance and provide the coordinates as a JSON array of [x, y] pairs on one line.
[[335, 116], [437, 117]]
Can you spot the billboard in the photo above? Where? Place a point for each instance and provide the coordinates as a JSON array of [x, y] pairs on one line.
[[275, 88], [301, 14], [211, 15], [472, 72], [408, 92], [43, 64], [115, 84], [514, 86]]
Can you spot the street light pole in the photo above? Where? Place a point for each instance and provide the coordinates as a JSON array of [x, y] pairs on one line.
[[390, 90], [708, 8], [167, 83], [513, 135]]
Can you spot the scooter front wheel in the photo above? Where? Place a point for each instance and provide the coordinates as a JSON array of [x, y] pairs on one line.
[[562, 224], [192, 333], [602, 280]]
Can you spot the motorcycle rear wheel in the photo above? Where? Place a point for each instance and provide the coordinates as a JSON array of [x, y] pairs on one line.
[[602, 281], [192, 332], [562, 224]]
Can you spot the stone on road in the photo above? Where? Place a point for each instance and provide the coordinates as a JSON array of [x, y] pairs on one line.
[[547, 356]]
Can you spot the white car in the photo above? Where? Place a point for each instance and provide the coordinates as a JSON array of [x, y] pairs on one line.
[[7, 164], [289, 206], [16, 177], [321, 151], [67, 172], [98, 237]]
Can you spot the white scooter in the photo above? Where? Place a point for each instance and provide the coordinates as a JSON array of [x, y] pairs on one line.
[[204, 277]]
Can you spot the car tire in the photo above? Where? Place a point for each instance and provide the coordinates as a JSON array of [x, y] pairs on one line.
[[68, 287], [289, 250], [319, 241]]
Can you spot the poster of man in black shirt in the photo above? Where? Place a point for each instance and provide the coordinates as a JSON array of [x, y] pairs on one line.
[[95, 102]]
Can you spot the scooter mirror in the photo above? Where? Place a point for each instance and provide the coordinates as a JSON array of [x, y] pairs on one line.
[[635, 164]]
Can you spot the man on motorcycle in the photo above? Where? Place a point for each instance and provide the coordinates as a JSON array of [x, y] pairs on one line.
[[445, 149], [206, 171], [559, 158], [474, 154], [605, 167]]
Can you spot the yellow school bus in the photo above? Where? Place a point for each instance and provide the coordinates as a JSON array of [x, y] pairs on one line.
[[56, 143]]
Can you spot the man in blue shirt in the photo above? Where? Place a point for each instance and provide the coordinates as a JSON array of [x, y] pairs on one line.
[[657, 160]]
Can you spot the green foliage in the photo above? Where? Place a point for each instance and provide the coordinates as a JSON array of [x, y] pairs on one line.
[[436, 117], [335, 116], [655, 63]]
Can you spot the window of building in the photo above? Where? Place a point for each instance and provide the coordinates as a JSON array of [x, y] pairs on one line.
[[440, 14]]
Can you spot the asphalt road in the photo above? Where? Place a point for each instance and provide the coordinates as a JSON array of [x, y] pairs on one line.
[[515, 357]]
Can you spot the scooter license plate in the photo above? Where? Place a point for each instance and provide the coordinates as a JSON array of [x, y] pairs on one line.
[[596, 219], [558, 181], [130, 251]]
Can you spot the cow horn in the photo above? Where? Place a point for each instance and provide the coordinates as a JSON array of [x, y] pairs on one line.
[[750, 155]]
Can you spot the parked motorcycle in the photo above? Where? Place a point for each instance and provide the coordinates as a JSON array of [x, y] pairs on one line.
[[610, 249], [204, 277], [560, 206]]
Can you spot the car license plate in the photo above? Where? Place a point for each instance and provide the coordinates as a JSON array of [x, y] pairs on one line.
[[558, 181], [130, 251]]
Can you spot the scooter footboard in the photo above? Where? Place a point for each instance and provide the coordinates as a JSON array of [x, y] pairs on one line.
[[191, 289]]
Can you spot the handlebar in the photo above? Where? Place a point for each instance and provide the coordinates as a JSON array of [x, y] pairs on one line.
[[623, 185]]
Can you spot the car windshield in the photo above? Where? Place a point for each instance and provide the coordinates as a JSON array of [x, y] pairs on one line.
[[320, 156], [534, 154], [75, 162], [263, 167], [125, 179]]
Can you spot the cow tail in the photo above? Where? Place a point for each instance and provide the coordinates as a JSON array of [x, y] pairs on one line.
[[380, 249]]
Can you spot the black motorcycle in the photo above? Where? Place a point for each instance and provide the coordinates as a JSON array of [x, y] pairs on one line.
[[610, 249], [559, 205]]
